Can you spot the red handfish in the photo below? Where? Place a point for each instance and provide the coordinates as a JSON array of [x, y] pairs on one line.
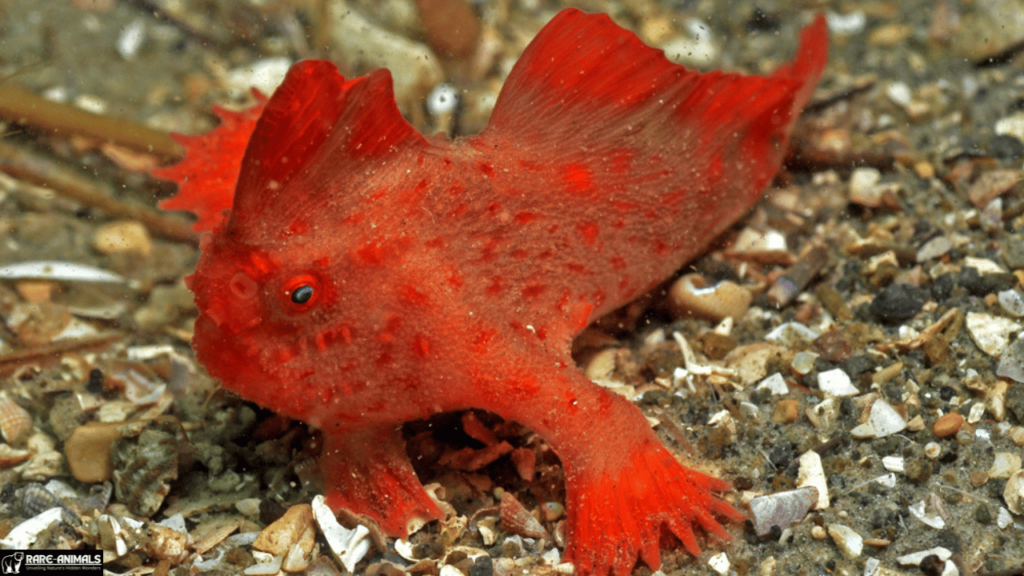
[[359, 275]]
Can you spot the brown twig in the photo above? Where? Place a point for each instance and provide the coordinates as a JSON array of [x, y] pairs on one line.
[[32, 167], [816, 106], [24, 107], [52, 352], [1004, 56]]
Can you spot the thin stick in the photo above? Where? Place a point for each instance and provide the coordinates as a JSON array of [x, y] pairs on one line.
[[27, 165], [24, 107], [52, 352]]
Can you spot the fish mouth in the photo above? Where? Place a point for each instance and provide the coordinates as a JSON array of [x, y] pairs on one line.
[[225, 357]]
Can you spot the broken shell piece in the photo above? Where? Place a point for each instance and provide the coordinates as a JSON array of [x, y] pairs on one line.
[[56, 270], [515, 518], [1005, 465], [836, 383], [690, 295], [294, 527], [782, 509], [1014, 492], [775, 384], [930, 518], [792, 334], [885, 420], [849, 542], [348, 546], [915, 558], [719, 563], [811, 473], [15, 422], [24, 535], [893, 464], [991, 333]]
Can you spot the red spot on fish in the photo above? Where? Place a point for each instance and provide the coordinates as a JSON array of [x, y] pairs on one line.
[[412, 295], [526, 217], [297, 228], [497, 286], [370, 253], [533, 290], [353, 218], [618, 263], [485, 168], [577, 177], [589, 231], [421, 346]]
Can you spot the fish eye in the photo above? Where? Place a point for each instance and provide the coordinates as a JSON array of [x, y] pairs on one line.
[[302, 294]]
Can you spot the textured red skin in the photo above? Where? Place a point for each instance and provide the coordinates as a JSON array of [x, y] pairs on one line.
[[454, 274]]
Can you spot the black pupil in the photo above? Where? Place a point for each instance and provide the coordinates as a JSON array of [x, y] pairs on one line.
[[302, 294]]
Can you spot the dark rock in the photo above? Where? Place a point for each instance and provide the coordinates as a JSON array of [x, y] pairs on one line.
[[857, 365], [1006, 147], [983, 514], [1015, 401], [898, 302], [482, 566], [981, 285], [942, 287]]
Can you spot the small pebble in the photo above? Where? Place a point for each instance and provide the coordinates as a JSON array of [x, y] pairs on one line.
[[1014, 492], [803, 362], [786, 411], [948, 425], [898, 303], [1011, 361], [122, 236], [131, 39], [1012, 302]]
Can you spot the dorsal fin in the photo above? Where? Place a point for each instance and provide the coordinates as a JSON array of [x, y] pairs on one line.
[[316, 129]]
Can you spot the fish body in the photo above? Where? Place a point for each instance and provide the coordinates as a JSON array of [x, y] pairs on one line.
[[365, 275]]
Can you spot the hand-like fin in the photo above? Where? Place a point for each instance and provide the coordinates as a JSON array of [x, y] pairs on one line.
[[317, 132]]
